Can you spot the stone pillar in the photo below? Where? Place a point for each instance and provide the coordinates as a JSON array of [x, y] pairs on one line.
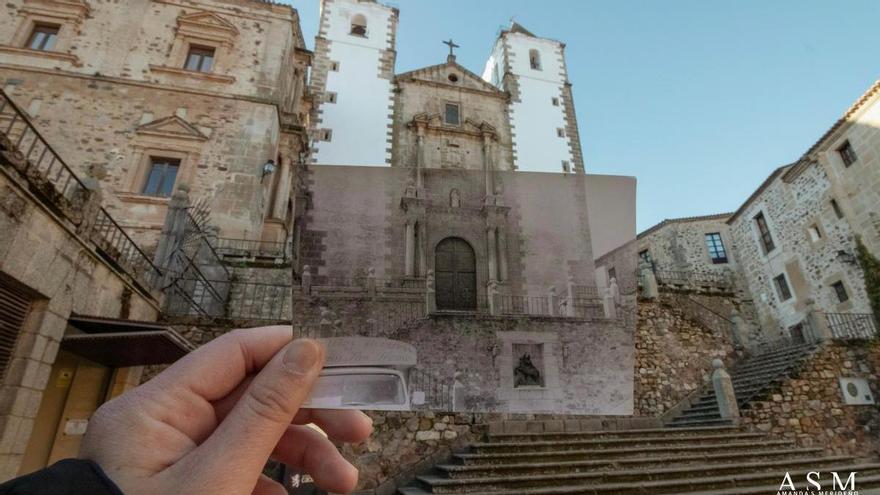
[[493, 250], [430, 294], [488, 165], [608, 305], [92, 200], [410, 243], [172, 229], [551, 302], [502, 253], [325, 327], [649, 283], [569, 307], [306, 280], [494, 298], [422, 249], [371, 282], [282, 192], [740, 328], [420, 155], [819, 329], [724, 392]]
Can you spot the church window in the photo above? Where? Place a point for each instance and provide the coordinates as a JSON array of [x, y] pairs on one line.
[[161, 177], [535, 59], [716, 248], [453, 78], [847, 153], [560, 132], [334, 66], [43, 37], [331, 97], [359, 25], [452, 116], [200, 59], [566, 167], [555, 101], [326, 135]]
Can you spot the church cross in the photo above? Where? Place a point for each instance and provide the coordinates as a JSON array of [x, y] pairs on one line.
[[452, 46]]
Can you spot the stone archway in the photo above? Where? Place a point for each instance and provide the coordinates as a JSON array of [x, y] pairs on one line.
[[455, 269]]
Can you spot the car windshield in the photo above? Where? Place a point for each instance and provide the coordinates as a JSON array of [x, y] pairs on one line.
[[358, 390]]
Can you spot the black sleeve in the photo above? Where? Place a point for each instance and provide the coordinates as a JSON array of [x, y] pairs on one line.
[[67, 477]]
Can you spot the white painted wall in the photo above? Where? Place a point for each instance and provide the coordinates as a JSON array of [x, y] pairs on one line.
[[359, 119], [534, 118]]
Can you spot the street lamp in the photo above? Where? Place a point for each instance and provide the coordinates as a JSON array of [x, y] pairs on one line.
[[269, 167]]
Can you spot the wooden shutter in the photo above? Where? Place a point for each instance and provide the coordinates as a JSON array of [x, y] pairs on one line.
[[15, 304]]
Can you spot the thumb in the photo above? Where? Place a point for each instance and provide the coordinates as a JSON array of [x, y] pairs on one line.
[[246, 437]]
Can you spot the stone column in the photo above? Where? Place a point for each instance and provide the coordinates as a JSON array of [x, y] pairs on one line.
[[420, 155], [487, 165], [819, 329], [493, 250], [306, 280], [172, 229], [724, 392], [493, 298], [282, 192], [430, 294], [740, 328], [422, 249], [502, 253], [410, 243], [608, 305]]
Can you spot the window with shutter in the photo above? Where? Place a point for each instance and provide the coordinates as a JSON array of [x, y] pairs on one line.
[[15, 304]]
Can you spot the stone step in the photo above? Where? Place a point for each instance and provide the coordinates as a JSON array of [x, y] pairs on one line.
[[633, 477], [690, 423], [753, 375], [715, 439], [647, 432], [474, 458], [462, 471], [692, 415]]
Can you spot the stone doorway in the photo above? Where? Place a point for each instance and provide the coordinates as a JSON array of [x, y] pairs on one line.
[[456, 275]]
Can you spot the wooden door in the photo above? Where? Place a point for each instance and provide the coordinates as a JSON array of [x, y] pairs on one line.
[[456, 275]]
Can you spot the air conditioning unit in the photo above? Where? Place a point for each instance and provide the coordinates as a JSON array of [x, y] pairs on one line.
[[856, 391]]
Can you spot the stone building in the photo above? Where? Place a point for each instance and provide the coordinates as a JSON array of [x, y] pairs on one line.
[[159, 95]]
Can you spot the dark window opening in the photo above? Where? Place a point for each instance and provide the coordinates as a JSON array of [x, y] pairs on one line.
[[566, 167], [847, 153], [717, 253], [452, 116], [560, 132], [555, 101], [612, 273], [200, 59], [359, 25], [764, 231], [782, 287], [535, 59], [15, 301], [43, 37], [836, 207], [645, 257], [840, 291], [162, 176]]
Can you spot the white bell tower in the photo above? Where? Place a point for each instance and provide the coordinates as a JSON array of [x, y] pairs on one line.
[[543, 122], [351, 80]]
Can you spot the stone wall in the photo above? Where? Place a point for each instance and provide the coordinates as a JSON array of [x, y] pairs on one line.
[[42, 256], [673, 357], [680, 245], [793, 202], [809, 407]]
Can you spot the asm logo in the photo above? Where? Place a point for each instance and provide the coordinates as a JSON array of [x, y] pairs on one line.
[[817, 484]]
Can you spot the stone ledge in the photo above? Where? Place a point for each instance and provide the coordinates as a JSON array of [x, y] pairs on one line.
[[202, 76], [16, 50]]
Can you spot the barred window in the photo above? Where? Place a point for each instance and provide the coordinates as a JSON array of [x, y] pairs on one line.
[[840, 292], [782, 288], [764, 231], [847, 153]]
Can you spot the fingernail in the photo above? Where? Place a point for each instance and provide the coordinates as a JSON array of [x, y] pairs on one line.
[[301, 356]]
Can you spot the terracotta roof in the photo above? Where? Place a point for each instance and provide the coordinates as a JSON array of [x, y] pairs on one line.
[[759, 190], [668, 221]]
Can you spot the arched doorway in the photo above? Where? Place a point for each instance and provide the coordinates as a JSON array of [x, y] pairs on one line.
[[455, 269]]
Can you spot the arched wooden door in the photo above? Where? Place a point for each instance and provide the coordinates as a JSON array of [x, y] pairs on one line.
[[455, 269]]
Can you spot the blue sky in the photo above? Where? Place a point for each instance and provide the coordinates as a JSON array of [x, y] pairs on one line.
[[699, 99]]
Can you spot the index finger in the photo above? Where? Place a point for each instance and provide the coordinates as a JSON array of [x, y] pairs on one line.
[[215, 369]]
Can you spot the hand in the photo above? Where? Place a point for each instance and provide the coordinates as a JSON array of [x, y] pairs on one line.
[[208, 423]]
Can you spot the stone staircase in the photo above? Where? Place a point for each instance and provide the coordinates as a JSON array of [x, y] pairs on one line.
[[720, 460], [753, 378]]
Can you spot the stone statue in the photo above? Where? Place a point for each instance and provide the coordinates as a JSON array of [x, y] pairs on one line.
[[525, 374], [410, 191], [454, 198]]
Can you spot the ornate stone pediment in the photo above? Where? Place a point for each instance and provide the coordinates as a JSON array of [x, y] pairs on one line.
[[72, 10], [172, 127], [450, 74], [434, 122], [206, 25]]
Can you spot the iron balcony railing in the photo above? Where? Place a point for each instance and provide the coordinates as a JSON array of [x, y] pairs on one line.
[[851, 326], [524, 305], [65, 193]]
